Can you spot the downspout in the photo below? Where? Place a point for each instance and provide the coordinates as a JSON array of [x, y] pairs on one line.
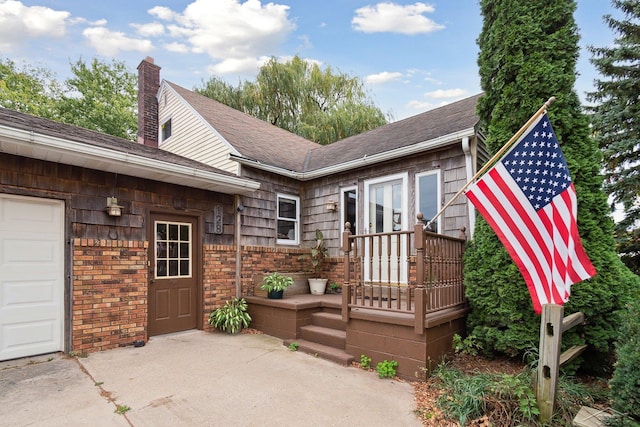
[[468, 158], [238, 211]]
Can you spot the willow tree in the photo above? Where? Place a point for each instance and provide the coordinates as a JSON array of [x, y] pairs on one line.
[[317, 103], [528, 53], [616, 123]]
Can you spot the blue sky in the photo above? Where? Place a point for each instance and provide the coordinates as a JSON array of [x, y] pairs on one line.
[[413, 56]]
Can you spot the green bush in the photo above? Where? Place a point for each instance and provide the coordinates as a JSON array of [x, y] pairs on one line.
[[386, 368], [625, 383], [231, 317]]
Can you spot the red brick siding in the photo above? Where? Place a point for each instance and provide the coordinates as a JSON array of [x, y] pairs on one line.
[[219, 278], [109, 306]]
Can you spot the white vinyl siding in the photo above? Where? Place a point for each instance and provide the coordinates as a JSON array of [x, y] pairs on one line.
[[190, 136]]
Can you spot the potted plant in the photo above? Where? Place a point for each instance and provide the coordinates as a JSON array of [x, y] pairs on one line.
[[231, 317], [275, 284], [319, 254]]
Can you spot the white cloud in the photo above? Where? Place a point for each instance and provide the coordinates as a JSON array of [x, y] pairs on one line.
[[110, 43], [420, 105], [395, 18], [176, 47], [19, 23], [152, 29], [163, 13], [383, 77], [237, 34], [446, 93], [238, 66]]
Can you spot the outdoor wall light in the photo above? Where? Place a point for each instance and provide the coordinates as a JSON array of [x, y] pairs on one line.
[[240, 207], [113, 208], [332, 206]]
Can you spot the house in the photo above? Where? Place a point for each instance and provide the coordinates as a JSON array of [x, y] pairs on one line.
[[377, 181], [105, 242]]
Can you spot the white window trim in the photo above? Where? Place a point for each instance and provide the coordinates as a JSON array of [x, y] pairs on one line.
[[296, 241], [343, 207], [404, 177], [405, 202], [161, 140], [438, 194], [191, 237]]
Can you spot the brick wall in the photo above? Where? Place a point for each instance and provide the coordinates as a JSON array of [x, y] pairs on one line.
[[219, 278], [109, 306]]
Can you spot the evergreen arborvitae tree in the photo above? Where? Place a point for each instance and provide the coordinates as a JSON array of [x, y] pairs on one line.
[[616, 123], [528, 53]]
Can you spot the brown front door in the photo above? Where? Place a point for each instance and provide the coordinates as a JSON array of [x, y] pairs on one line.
[[173, 275]]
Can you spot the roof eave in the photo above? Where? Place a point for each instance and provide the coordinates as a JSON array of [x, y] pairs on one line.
[[366, 160], [45, 147]]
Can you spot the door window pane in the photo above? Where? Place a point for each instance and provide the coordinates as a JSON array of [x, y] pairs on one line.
[[173, 249]]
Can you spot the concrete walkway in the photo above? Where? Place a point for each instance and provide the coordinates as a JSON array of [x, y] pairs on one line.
[[197, 378]]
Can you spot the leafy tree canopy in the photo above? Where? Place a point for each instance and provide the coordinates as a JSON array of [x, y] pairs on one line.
[[316, 103], [100, 96], [616, 123], [528, 53], [31, 90]]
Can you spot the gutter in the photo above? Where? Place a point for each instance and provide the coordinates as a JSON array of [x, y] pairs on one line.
[[101, 158], [366, 160]]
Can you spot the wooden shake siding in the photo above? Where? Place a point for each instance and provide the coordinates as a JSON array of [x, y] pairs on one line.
[[191, 137], [258, 219], [317, 193]]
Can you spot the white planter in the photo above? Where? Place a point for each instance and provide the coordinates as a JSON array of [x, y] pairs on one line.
[[317, 286]]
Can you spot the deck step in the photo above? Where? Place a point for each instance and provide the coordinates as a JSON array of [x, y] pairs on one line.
[[323, 351], [326, 336], [328, 320]]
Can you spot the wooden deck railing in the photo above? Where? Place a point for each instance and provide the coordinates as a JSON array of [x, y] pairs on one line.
[[414, 271]]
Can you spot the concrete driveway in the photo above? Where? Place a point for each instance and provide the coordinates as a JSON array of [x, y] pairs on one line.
[[199, 378]]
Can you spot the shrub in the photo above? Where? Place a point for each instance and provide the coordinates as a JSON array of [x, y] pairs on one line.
[[386, 368], [231, 317], [625, 383]]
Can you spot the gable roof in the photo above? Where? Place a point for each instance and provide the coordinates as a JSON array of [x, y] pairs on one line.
[[255, 139], [265, 146], [439, 126], [34, 137]]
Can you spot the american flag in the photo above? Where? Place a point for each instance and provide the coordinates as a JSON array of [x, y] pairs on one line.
[[529, 200]]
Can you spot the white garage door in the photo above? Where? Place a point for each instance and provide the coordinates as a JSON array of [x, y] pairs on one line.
[[31, 276]]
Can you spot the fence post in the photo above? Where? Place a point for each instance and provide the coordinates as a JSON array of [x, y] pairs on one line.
[[346, 286], [548, 365], [420, 311], [419, 242], [419, 293], [552, 326]]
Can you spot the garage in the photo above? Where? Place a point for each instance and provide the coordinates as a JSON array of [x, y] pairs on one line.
[[31, 276]]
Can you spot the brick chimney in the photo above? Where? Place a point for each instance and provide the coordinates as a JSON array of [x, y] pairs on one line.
[[148, 85]]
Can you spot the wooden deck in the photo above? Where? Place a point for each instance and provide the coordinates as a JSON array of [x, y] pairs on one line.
[[315, 323]]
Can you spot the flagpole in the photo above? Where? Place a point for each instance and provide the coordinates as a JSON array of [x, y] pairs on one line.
[[496, 156]]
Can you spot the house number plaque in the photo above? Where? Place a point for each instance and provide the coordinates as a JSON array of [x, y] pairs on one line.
[[217, 219]]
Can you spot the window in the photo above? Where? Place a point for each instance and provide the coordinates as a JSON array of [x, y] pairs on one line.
[[166, 130], [348, 208], [288, 214], [173, 249], [428, 197]]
